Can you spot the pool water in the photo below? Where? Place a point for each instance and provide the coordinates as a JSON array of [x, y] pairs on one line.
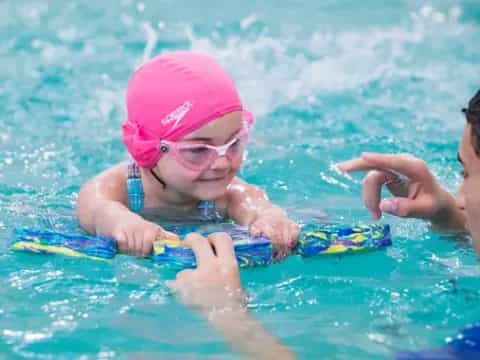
[[332, 78]]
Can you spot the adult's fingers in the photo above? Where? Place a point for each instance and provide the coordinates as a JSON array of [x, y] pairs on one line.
[[403, 164], [223, 245], [182, 278], [372, 189], [200, 247], [405, 207], [184, 275], [400, 185], [357, 164]]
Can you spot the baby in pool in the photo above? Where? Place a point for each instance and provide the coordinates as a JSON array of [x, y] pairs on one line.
[[186, 132]]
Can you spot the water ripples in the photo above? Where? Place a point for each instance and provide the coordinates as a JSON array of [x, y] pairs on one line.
[[334, 85]]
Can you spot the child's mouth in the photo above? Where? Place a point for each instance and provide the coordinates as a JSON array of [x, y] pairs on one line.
[[213, 179]]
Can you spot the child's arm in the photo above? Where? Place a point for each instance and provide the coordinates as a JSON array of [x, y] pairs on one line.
[[249, 205], [102, 210]]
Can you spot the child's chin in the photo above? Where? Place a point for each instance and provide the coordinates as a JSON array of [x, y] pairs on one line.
[[211, 192], [211, 195]]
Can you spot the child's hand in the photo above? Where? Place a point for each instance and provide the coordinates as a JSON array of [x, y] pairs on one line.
[[136, 236], [275, 224]]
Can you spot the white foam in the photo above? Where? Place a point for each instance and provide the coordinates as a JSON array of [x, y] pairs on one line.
[[152, 38], [273, 70]]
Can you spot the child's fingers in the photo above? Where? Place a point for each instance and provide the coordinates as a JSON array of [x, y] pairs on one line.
[[285, 240], [170, 235], [147, 247], [147, 244], [280, 251], [131, 241], [269, 231], [290, 233], [294, 234], [149, 236], [280, 240], [255, 230], [122, 240], [283, 235], [139, 240], [163, 234]]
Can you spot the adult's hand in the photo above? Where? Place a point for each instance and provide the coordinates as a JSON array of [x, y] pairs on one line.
[[214, 288], [215, 283], [416, 192]]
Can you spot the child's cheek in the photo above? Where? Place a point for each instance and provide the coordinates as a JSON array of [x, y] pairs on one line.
[[185, 179], [236, 164], [191, 177]]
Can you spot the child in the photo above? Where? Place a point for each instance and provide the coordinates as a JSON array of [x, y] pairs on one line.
[[186, 130]]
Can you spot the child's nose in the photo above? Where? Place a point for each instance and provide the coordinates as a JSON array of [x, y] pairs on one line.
[[221, 163]]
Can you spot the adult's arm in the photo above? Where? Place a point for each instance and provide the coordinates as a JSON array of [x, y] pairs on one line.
[[214, 289]]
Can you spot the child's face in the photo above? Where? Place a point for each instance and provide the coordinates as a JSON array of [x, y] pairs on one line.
[[212, 182]]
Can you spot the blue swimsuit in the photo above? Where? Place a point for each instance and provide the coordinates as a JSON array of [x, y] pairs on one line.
[[207, 209]]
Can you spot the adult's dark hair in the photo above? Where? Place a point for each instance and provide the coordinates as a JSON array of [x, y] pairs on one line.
[[472, 112]]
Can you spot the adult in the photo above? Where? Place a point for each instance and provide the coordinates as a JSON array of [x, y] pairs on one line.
[[416, 192]]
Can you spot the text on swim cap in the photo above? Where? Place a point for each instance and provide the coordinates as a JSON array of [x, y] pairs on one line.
[[178, 114]]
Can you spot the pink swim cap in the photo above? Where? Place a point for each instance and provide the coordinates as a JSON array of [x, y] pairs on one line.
[[171, 96]]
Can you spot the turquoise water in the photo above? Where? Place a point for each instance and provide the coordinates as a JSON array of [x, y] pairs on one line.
[[332, 78]]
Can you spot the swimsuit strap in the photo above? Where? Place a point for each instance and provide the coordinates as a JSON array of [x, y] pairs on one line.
[[207, 208], [135, 188]]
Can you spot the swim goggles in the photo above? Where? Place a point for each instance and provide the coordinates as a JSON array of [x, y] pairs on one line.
[[198, 156]]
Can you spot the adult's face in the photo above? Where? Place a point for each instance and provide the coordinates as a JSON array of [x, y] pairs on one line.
[[468, 197]]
